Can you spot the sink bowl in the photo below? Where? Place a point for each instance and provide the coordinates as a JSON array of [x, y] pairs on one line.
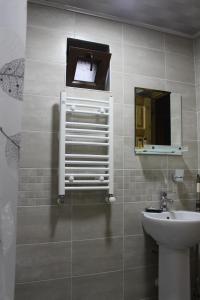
[[174, 232], [175, 229]]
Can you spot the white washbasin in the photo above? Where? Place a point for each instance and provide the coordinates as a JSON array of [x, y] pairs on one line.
[[175, 229], [174, 232]]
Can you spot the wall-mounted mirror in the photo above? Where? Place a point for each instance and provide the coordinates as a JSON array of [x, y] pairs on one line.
[[158, 122]]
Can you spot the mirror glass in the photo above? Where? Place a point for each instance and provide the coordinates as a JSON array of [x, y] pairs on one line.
[[157, 118]]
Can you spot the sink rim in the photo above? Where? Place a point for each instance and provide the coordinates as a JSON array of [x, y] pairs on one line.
[[173, 233], [155, 216]]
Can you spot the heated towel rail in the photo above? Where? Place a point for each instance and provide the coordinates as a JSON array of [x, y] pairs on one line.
[[85, 147]]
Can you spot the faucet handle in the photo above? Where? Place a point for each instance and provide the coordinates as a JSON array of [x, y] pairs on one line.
[[164, 201], [164, 195]]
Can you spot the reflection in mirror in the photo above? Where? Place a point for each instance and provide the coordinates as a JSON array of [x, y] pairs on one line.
[[157, 118]]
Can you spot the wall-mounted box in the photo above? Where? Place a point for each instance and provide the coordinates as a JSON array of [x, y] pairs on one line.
[[87, 64]]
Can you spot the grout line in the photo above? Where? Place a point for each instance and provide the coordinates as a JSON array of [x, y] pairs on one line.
[[197, 115], [42, 96], [123, 173], [117, 170], [45, 62], [161, 50], [43, 280], [83, 240], [53, 29], [161, 79], [74, 276], [88, 275], [45, 243], [40, 131], [74, 241], [100, 273], [71, 262]]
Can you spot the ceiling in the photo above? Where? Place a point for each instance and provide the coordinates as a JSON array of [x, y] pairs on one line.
[[176, 16]]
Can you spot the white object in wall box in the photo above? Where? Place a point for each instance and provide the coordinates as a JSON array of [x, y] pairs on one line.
[[82, 166]]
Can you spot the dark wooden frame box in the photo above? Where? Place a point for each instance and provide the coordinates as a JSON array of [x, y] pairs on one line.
[[94, 53]]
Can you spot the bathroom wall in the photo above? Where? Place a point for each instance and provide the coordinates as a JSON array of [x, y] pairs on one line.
[[12, 45], [88, 249], [197, 82]]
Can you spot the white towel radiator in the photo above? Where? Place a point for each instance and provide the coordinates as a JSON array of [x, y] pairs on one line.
[[80, 168]]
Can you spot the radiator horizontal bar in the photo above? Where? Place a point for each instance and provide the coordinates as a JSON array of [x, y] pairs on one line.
[[88, 99], [87, 130], [86, 175], [85, 162], [80, 111], [86, 136], [86, 143], [86, 105], [87, 168], [87, 124], [76, 188], [86, 181], [87, 156]]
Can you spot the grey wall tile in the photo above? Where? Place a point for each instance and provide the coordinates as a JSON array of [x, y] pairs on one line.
[[38, 187], [116, 86], [140, 283], [39, 150], [27, 174], [179, 45], [140, 250], [97, 28], [188, 160], [40, 113], [144, 185], [98, 287], [185, 205], [96, 256], [198, 125], [143, 37], [189, 126], [197, 48], [198, 155], [197, 72], [118, 119], [133, 217], [133, 161], [97, 94], [43, 224], [88, 197], [198, 97], [51, 18], [43, 261], [118, 152], [179, 68], [46, 79], [183, 192], [116, 58], [129, 120], [94, 221], [51, 290], [187, 92], [143, 61], [46, 45]]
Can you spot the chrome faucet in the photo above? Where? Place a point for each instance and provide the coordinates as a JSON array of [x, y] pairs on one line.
[[164, 202]]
